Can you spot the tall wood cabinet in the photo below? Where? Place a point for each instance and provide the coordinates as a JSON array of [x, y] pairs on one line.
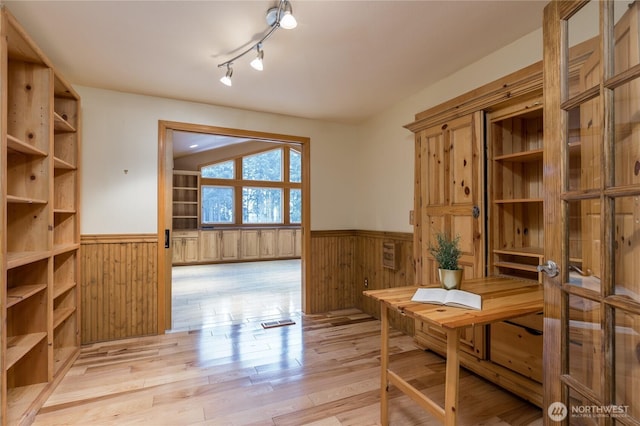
[[478, 174], [39, 132]]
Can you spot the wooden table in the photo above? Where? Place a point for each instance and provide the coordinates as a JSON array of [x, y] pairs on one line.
[[502, 299]]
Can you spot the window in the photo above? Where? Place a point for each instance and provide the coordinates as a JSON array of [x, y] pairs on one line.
[[265, 166], [295, 206], [295, 166], [268, 192], [220, 171], [217, 204], [261, 205]]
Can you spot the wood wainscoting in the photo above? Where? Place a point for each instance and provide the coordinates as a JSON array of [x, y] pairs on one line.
[[120, 278], [119, 286], [341, 261]]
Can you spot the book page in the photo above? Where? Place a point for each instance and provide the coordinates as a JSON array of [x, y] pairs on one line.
[[430, 295], [463, 299]]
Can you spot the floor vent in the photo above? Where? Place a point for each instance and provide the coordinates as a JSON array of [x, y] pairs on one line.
[[278, 323]]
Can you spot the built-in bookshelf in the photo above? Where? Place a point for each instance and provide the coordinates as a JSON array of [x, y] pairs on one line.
[[515, 146], [40, 290], [186, 207]]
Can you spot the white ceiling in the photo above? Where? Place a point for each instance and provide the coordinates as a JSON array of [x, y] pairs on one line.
[[346, 60]]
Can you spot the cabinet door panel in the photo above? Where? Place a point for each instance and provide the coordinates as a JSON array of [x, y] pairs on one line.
[[178, 250], [250, 246], [267, 243], [210, 245], [191, 249], [449, 197], [286, 243], [230, 244]]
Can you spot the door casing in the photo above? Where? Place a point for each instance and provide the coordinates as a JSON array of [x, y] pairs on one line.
[[165, 167]]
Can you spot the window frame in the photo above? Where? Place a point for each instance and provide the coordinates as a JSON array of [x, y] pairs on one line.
[[239, 184]]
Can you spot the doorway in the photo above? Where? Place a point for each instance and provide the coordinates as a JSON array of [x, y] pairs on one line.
[[166, 133]]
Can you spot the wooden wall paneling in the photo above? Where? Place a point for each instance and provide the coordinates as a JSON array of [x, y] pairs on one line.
[[331, 284], [369, 266], [119, 292], [119, 287]]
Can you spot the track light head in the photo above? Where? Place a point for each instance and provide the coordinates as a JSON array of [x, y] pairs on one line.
[[257, 61], [226, 80], [282, 15], [287, 20]]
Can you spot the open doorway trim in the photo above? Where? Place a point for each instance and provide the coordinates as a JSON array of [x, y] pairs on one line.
[[165, 151]]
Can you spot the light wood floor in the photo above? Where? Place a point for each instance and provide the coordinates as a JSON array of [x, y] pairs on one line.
[[323, 370], [233, 293]]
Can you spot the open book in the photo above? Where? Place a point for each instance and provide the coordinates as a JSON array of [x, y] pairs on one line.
[[440, 296]]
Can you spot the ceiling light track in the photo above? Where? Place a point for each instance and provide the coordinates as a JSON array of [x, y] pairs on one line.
[[280, 16]]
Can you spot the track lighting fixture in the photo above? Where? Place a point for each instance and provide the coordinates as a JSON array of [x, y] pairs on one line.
[[226, 79], [279, 16], [257, 61]]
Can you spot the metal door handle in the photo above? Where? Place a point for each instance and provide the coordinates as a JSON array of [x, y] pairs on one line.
[[551, 268], [475, 211]]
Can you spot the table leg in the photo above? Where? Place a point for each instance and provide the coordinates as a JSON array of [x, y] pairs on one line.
[[452, 377], [384, 364]]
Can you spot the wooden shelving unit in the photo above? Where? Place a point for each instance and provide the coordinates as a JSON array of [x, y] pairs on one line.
[[41, 235], [186, 205], [515, 149]]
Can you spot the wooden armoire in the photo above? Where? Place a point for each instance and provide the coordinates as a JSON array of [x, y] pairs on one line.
[[518, 198]]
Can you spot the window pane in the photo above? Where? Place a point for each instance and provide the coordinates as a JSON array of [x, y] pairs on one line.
[[625, 34], [295, 166], [585, 343], [217, 204], [264, 166], [627, 362], [584, 52], [219, 171], [627, 247], [295, 206], [585, 146], [627, 133], [261, 205], [584, 244]]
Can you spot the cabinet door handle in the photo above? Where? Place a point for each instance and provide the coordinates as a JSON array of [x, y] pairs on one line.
[[475, 211], [550, 268], [167, 240]]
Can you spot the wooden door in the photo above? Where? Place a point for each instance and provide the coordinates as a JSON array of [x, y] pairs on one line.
[[592, 215], [449, 195], [450, 199]]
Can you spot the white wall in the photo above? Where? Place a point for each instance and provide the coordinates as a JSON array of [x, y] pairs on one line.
[[361, 176], [385, 162], [120, 132]]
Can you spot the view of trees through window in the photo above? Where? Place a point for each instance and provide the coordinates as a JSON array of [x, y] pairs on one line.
[[253, 189]]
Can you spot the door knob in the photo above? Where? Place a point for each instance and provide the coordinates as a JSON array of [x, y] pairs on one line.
[[550, 268]]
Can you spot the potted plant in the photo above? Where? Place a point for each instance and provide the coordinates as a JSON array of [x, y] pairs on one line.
[[446, 252]]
